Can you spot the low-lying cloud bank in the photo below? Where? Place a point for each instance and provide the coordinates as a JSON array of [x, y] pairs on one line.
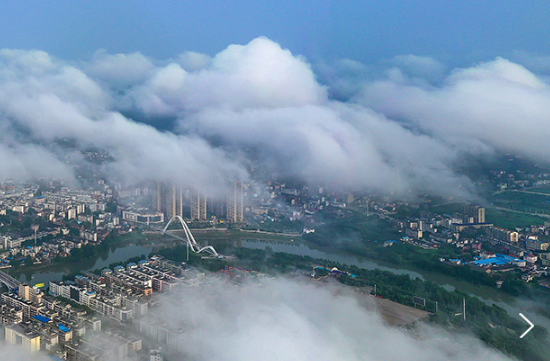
[[404, 133], [17, 353], [283, 319]]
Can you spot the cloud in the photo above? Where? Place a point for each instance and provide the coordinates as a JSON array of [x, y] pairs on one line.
[[343, 78], [119, 70], [16, 353], [338, 144], [534, 62], [498, 104], [420, 67], [260, 96], [34, 62], [259, 74], [28, 161], [281, 319], [193, 61], [43, 100], [209, 117]]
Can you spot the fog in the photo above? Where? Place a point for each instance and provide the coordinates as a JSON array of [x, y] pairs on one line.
[[16, 353], [283, 319], [289, 319]]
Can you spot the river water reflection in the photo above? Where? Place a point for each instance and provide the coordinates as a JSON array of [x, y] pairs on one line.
[[120, 254], [488, 295], [302, 249], [55, 273]]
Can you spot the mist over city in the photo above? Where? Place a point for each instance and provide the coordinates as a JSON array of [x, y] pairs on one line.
[[258, 105], [274, 181]]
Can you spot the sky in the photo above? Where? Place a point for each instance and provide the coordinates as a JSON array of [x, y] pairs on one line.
[[362, 30]]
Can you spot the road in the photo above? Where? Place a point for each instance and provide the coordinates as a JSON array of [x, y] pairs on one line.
[[9, 280]]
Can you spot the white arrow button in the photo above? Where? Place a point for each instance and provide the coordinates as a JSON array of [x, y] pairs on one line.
[[530, 327]]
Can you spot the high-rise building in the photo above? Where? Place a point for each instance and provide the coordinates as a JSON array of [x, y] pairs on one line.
[[235, 203], [474, 214], [72, 213], [198, 206], [25, 291], [217, 207], [169, 199]]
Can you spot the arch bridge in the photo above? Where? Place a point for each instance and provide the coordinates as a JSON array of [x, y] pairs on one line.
[[188, 237]]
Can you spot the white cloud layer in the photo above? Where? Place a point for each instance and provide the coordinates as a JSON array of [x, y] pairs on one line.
[[499, 104], [43, 100], [406, 133], [17, 353], [283, 320], [289, 320]]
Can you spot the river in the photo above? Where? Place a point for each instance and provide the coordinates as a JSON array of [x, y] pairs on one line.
[[486, 294], [490, 296], [55, 273]]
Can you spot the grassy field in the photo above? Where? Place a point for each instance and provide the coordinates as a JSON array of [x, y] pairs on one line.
[[500, 218], [541, 189], [522, 201], [447, 208], [511, 220]]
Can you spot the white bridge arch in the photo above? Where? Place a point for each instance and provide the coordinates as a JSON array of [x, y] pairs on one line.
[[188, 237]]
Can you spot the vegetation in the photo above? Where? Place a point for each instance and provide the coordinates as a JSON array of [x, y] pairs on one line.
[[281, 224], [179, 254], [80, 258], [235, 234], [510, 219], [97, 271], [446, 208], [523, 201], [541, 189], [403, 254], [355, 227], [360, 241], [90, 252], [76, 305], [20, 223]]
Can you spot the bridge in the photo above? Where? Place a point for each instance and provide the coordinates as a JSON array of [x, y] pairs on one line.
[[9, 281], [189, 239]]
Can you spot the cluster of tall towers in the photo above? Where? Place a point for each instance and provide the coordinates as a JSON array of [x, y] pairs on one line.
[[235, 203], [171, 200], [474, 214]]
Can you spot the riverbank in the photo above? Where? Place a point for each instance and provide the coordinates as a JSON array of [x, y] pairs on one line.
[[207, 234], [534, 309], [117, 248]]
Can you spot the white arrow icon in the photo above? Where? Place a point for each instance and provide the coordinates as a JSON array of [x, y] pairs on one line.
[[530, 327]]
